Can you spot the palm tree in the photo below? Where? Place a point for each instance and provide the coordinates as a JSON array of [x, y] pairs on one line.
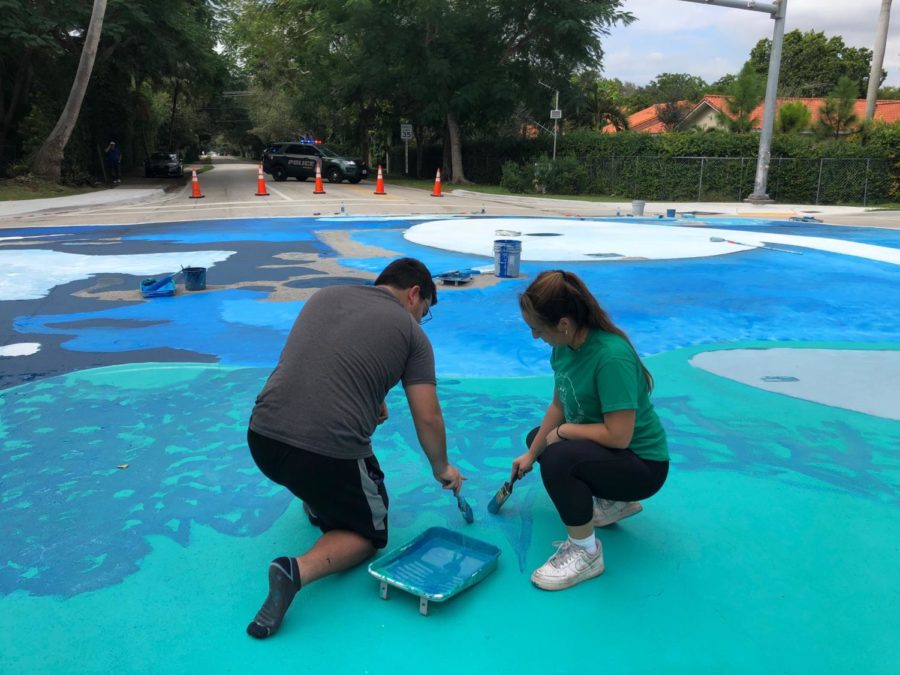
[[48, 160]]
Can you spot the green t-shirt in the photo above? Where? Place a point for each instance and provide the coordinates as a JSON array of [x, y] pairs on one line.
[[602, 376]]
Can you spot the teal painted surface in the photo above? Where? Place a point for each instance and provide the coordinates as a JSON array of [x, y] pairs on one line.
[[772, 548]]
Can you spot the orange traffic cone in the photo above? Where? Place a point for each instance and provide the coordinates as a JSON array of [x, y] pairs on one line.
[[437, 185], [261, 184], [195, 186], [379, 183], [320, 189]]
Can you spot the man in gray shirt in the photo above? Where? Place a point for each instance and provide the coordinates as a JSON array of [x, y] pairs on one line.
[[313, 421]]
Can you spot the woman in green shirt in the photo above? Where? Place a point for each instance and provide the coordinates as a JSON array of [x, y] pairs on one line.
[[601, 446]]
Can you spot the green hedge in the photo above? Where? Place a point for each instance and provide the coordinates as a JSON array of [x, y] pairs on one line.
[[690, 166]]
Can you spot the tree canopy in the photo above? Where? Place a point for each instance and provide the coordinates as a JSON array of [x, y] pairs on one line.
[[149, 53], [357, 69], [812, 64]]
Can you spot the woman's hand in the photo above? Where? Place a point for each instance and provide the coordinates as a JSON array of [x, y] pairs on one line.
[[521, 465]]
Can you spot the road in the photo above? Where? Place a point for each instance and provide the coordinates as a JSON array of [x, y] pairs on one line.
[[229, 191]]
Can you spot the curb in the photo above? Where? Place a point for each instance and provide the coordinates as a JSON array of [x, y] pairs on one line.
[[155, 193]]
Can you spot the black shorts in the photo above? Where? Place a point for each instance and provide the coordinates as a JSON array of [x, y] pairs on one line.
[[344, 494]]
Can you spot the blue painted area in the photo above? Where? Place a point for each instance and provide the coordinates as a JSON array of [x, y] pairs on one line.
[[205, 232], [663, 305], [180, 433], [864, 235], [234, 325]]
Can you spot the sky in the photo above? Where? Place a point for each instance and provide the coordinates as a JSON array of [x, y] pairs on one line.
[[711, 41]]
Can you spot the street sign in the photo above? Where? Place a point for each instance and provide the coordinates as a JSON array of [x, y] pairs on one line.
[[556, 114], [406, 132]]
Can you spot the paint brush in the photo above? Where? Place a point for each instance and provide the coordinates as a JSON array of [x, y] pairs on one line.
[[465, 509], [739, 243], [463, 505], [502, 495]]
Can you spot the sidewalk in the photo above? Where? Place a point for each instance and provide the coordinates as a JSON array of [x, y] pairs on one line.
[[660, 208], [118, 195]]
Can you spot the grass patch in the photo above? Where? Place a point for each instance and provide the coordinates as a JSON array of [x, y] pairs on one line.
[[33, 188]]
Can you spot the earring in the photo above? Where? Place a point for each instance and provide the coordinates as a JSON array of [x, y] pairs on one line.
[[566, 332]]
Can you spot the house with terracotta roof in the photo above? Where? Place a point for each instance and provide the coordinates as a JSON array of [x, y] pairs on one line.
[[647, 120], [707, 113]]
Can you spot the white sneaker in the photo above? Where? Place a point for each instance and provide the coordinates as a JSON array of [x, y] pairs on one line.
[[607, 511], [570, 565]]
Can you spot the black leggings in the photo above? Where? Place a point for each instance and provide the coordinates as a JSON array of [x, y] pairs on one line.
[[575, 471]]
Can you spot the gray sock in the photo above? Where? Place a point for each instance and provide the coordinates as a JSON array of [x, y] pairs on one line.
[[284, 582]]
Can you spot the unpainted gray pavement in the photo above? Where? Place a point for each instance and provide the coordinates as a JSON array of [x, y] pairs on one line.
[[229, 191]]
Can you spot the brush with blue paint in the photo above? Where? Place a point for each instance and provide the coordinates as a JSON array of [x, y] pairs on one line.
[[465, 509], [502, 495], [463, 505]]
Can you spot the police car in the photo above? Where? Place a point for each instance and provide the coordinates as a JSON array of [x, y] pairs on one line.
[[298, 159]]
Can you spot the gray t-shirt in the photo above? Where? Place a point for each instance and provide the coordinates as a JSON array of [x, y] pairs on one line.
[[348, 347]]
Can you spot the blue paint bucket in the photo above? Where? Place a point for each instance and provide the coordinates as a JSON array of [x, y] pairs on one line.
[[670, 213], [194, 278], [507, 253]]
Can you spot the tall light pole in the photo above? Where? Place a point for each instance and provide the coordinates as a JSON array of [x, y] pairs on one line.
[[777, 10], [884, 20], [555, 114]]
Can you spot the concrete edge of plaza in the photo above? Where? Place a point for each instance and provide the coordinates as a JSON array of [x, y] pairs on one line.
[[545, 207], [653, 209], [113, 196]]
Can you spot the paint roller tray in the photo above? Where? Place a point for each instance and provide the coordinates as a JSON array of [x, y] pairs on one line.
[[436, 565]]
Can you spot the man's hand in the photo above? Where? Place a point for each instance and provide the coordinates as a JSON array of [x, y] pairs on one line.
[[383, 415], [450, 478]]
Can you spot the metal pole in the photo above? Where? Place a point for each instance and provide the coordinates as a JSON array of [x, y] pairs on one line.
[[767, 7], [759, 195], [555, 125], [819, 185], [777, 10], [700, 186], [866, 187], [884, 19]]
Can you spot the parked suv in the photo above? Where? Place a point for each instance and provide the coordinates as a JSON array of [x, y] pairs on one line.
[[164, 164], [299, 160]]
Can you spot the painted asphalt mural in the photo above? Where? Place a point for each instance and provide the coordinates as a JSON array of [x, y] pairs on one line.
[[122, 424]]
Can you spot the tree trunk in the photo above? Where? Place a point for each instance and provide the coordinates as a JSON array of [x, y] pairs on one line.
[[446, 168], [48, 160], [172, 116], [456, 165]]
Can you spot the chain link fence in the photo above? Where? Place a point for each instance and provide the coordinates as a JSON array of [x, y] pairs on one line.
[[708, 179], [807, 181]]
